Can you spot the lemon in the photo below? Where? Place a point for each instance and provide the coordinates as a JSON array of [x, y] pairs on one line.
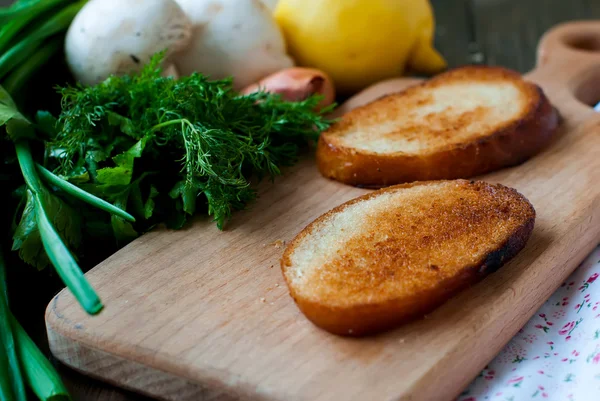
[[360, 42]]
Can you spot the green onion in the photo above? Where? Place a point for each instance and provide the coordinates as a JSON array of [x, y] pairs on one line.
[[82, 195], [15, 55], [57, 252], [58, 22], [17, 79], [12, 386], [24, 8], [10, 30], [21, 24], [40, 375], [27, 47], [6, 382]]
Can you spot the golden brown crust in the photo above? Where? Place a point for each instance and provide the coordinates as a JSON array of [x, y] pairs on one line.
[[354, 317], [508, 146]]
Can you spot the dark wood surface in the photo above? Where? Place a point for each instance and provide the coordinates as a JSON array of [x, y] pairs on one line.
[[496, 32], [501, 32]]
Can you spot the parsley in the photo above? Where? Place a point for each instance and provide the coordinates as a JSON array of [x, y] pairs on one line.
[[162, 148]]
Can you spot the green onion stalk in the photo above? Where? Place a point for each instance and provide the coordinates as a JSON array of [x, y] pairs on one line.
[[12, 385], [56, 250], [23, 363], [29, 43], [31, 34]]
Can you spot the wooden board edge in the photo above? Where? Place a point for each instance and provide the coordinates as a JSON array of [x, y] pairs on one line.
[[141, 379], [162, 385], [128, 373], [506, 329], [587, 234]]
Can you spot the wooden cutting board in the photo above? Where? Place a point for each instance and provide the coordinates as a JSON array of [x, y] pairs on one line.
[[200, 314]]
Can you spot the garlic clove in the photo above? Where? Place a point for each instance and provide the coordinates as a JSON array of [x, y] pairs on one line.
[[295, 84], [170, 71]]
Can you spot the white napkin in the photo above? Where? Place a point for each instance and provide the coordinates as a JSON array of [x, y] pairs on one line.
[[556, 356]]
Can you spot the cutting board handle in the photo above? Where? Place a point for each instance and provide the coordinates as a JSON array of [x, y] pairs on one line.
[[573, 45], [568, 65]]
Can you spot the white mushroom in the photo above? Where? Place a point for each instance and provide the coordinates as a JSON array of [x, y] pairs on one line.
[[119, 36], [271, 4], [232, 38]]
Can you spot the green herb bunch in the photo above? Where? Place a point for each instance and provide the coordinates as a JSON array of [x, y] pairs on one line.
[[164, 148], [103, 164]]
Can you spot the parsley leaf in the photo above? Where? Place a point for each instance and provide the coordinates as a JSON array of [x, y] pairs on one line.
[[46, 123], [123, 171], [16, 125], [6, 102], [26, 238], [150, 204]]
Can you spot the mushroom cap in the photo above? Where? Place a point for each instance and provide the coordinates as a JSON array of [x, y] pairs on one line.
[[119, 36], [232, 38]]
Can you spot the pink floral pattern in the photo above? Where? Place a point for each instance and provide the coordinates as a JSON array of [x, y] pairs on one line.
[[556, 356]]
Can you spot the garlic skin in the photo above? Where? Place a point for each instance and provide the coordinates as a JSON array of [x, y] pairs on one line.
[[232, 38], [117, 37], [296, 83], [170, 71]]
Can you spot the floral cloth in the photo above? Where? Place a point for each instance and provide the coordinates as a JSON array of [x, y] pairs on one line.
[[556, 356]]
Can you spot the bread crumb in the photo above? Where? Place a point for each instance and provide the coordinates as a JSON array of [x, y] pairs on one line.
[[276, 284], [278, 244], [262, 299], [270, 267]]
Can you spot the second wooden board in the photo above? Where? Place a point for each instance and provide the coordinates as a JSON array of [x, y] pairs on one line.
[[200, 314]]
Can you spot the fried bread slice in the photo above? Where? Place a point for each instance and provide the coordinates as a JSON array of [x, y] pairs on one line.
[[397, 253], [460, 124]]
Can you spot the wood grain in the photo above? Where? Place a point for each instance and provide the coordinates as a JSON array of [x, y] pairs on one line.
[[203, 314]]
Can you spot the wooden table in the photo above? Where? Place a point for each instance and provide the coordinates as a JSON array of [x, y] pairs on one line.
[[496, 32]]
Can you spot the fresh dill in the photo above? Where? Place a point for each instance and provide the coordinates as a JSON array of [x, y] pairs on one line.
[[160, 147]]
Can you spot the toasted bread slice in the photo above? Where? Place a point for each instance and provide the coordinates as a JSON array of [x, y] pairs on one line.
[[397, 253], [459, 124]]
